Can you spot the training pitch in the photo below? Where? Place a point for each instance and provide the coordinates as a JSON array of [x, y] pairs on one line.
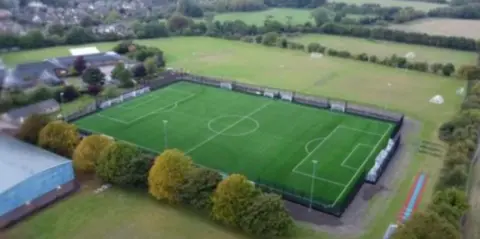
[[320, 154]]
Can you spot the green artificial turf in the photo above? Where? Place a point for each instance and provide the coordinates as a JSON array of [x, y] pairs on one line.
[[264, 139]]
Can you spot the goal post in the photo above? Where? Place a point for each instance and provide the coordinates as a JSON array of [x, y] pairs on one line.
[[270, 93], [288, 96], [338, 106], [226, 85]]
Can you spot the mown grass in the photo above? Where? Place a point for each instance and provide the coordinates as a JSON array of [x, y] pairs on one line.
[[387, 49], [396, 3], [396, 89], [442, 26]]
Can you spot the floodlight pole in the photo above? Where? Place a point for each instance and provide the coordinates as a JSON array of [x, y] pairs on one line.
[[165, 133], [388, 89], [61, 105], [312, 185]]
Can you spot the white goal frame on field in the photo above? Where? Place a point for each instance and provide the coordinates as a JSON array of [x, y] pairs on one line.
[[338, 106], [288, 96], [226, 85]]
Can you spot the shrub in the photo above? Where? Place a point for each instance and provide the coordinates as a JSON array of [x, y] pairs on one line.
[[70, 93], [267, 217], [198, 188], [31, 127], [59, 137], [448, 69], [231, 198], [122, 164], [89, 151], [270, 38], [455, 177], [450, 204], [168, 174], [427, 225]]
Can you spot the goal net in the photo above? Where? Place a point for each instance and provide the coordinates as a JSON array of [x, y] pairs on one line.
[[225, 85], [269, 93], [338, 106], [288, 96]]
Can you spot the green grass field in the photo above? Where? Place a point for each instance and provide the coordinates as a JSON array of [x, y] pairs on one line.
[[442, 26], [274, 141], [386, 49], [425, 6], [298, 16]]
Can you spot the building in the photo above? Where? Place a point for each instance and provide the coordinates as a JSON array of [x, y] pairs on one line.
[[30, 178], [18, 115]]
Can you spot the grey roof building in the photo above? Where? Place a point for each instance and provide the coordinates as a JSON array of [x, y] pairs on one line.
[[18, 115], [30, 179]]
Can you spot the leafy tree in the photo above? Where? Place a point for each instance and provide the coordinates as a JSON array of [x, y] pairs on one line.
[[321, 15], [270, 38], [79, 35], [93, 76], [151, 65], [315, 47], [112, 17], [79, 64], [448, 69], [231, 199], [125, 78], [427, 225], [31, 127], [89, 151], [199, 186], [59, 137], [455, 177], [123, 47], [56, 29], [117, 70], [139, 70], [267, 217], [41, 93], [33, 39], [168, 174], [122, 164], [69, 93], [189, 8], [178, 22], [450, 204]]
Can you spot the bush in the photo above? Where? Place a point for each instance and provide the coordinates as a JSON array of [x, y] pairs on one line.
[[427, 225], [168, 174], [59, 137], [455, 177], [450, 204], [89, 151], [448, 69], [198, 188], [70, 93], [267, 217], [122, 164], [31, 127], [231, 198], [269, 39]]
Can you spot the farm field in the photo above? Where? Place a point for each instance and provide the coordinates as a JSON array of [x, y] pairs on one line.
[[253, 136], [298, 16], [396, 3], [386, 49], [332, 77], [442, 26]]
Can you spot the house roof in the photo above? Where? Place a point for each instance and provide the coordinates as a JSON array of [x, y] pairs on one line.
[[27, 74], [20, 161], [67, 61], [32, 109]]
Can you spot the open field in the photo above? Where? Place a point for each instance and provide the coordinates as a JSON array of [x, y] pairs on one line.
[[253, 136], [405, 91], [386, 49], [396, 3], [442, 26], [117, 213], [298, 16]]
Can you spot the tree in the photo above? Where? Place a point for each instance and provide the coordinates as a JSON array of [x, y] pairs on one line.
[[89, 151], [59, 137], [231, 199], [178, 22], [122, 164], [321, 15], [456, 177], [270, 38], [79, 64], [426, 225], [112, 17], [56, 29], [151, 65], [70, 93], [31, 127], [198, 188], [93, 76], [168, 174], [139, 70], [79, 35], [123, 47], [448, 69], [450, 204], [125, 78], [267, 217]]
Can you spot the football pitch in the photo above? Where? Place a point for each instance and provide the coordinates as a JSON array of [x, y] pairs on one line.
[[319, 154]]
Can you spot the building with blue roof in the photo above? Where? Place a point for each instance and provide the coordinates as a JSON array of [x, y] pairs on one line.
[[30, 178]]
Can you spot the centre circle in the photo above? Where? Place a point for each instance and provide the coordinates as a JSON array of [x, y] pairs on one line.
[[233, 120]]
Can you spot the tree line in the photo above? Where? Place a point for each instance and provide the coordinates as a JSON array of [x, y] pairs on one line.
[[170, 177], [442, 218]]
